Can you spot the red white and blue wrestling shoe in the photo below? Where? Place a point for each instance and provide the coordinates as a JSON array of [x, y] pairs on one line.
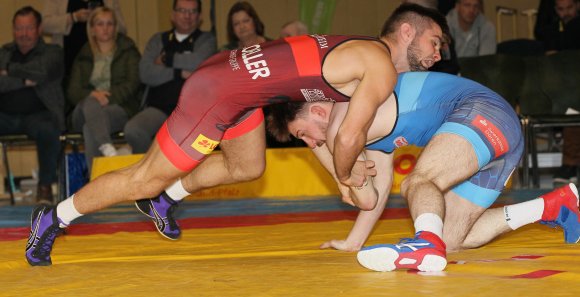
[[561, 210], [425, 252]]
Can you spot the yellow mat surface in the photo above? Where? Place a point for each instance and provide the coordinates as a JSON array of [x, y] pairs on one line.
[[284, 260]]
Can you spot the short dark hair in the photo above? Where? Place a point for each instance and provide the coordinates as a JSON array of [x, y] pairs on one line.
[[279, 115], [416, 15], [198, 4], [249, 9], [26, 10]]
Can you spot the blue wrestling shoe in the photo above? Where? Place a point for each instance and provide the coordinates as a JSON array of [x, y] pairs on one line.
[[561, 210], [425, 252], [45, 227], [160, 210]]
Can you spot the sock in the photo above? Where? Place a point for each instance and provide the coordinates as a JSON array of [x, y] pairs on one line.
[[429, 222], [66, 212], [176, 191], [524, 213]]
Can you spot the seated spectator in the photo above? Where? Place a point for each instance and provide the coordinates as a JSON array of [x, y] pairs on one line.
[[294, 28], [65, 21], [168, 60], [104, 84], [473, 34], [565, 36], [31, 97], [244, 27]]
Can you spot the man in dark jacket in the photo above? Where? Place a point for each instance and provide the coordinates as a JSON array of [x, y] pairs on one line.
[[31, 97]]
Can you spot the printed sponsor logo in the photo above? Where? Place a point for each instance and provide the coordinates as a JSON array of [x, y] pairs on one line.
[[400, 141], [257, 68], [321, 40], [204, 145], [233, 62], [492, 134], [312, 95]]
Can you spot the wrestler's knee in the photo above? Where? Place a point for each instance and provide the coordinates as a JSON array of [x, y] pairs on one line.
[[413, 181], [249, 170]]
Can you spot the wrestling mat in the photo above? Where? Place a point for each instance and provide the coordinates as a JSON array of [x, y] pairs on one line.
[[269, 247]]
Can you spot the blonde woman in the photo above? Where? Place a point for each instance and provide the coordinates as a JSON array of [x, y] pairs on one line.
[[104, 84], [65, 21]]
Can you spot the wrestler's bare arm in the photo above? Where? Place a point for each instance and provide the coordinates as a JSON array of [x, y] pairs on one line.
[[366, 220], [361, 197], [369, 64]]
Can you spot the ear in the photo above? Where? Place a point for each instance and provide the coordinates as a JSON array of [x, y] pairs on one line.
[[407, 33], [318, 110]]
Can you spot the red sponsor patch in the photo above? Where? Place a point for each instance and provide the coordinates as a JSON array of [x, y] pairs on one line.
[[493, 135]]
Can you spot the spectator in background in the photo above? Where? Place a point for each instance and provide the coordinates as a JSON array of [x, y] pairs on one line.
[[473, 34], [448, 62], [31, 97], [562, 34], [244, 27], [66, 23], [294, 28], [568, 36], [104, 84], [557, 25], [168, 60]]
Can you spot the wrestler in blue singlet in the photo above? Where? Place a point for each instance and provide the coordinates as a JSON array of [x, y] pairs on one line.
[[430, 103]]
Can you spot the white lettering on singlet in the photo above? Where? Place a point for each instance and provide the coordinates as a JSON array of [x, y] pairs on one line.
[[258, 68]]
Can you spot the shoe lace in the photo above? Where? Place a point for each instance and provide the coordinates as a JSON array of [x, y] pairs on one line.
[[47, 240]]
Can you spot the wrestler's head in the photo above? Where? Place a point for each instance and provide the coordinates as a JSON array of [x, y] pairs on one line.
[[307, 121], [415, 35]]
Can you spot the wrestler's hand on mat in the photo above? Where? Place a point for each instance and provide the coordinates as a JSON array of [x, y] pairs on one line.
[[341, 245], [359, 173]]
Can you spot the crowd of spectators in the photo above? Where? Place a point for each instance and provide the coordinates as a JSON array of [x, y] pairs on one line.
[[93, 75]]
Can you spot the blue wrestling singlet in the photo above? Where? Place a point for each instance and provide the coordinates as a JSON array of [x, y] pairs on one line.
[[430, 103]]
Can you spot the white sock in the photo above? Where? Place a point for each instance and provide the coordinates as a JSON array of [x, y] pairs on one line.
[[429, 222], [176, 191], [108, 150], [524, 213], [66, 211]]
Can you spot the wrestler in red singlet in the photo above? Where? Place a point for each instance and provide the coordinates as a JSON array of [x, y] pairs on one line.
[[221, 99]]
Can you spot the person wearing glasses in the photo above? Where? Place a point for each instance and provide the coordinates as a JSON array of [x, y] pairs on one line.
[[168, 60]]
